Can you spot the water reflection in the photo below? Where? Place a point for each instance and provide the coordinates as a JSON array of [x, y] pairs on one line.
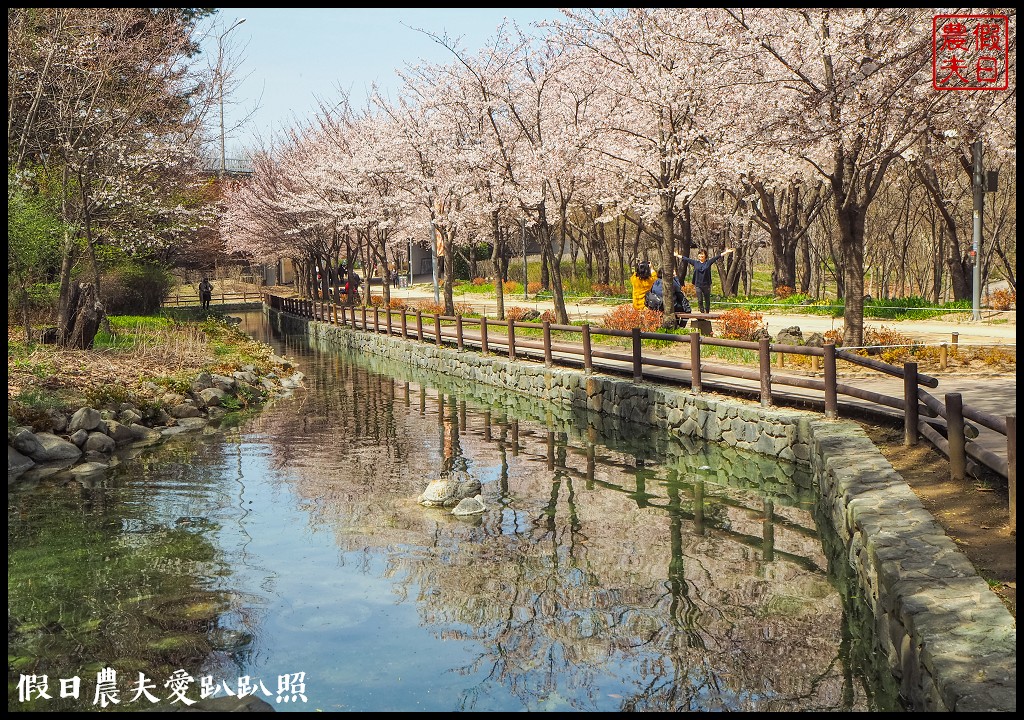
[[617, 568]]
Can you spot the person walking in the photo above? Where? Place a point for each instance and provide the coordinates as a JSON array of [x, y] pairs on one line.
[[642, 280], [702, 275], [205, 293]]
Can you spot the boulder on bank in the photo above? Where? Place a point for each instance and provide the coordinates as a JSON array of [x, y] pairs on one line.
[[17, 464], [53, 448], [94, 435]]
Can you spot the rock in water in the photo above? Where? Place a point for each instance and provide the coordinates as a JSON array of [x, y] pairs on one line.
[[470, 506], [448, 489]]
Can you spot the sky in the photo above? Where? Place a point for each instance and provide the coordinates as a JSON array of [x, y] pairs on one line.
[[292, 56]]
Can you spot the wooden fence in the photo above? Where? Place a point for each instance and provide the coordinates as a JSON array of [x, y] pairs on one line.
[[920, 409]]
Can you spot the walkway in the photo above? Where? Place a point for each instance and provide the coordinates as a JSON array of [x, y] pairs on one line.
[[995, 328]]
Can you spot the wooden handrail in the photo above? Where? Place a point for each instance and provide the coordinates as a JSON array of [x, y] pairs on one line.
[[917, 398]]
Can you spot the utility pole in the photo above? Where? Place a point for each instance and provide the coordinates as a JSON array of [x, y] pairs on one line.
[[526, 277], [220, 73], [978, 184], [410, 262], [433, 260]]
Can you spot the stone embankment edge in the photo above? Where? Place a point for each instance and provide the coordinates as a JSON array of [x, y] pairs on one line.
[[93, 441], [950, 642]]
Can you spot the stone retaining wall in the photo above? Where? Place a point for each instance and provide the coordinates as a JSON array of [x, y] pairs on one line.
[[950, 642]]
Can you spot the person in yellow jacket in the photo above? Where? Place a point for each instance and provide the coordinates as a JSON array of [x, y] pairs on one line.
[[643, 279]]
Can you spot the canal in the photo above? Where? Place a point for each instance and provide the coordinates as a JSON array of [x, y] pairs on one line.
[[284, 556]]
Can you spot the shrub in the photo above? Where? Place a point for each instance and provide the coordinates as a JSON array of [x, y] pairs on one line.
[[548, 316], [516, 313], [740, 324], [377, 301], [608, 290], [396, 303], [885, 337], [479, 281], [783, 291], [511, 286], [464, 310], [533, 288], [996, 355], [690, 291], [627, 317], [1003, 299], [429, 307], [834, 336], [134, 289], [892, 346]]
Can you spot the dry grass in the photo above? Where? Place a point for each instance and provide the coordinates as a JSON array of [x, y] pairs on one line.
[[140, 350]]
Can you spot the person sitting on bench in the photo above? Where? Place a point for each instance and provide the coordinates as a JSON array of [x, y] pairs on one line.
[[655, 298]]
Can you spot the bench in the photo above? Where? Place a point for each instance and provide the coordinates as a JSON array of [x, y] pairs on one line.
[[701, 321]]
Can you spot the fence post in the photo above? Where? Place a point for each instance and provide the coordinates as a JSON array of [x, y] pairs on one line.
[[955, 435], [388, 311], [910, 400], [695, 382], [764, 356], [638, 358], [376, 319], [405, 334], [437, 329], [511, 339], [335, 310], [943, 356], [458, 333], [956, 339], [815, 363], [419, 325], [363, 328], [831, 394], [547, 343], [782, 359], [588, 359], [1011, 468], [483, 334]]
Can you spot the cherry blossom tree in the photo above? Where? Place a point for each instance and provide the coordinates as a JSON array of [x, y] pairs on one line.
[[847, 91], [666, 112], [102, 106]]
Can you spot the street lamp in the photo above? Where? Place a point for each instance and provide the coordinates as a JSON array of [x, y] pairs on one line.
[[220, 73]]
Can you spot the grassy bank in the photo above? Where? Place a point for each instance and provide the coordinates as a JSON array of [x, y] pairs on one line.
[[137, 350]]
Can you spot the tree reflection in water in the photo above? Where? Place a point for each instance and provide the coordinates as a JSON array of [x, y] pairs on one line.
[[619, 568]]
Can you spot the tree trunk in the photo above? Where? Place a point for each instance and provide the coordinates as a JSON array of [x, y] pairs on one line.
[[86, 316], [806, 266], [851, 248], [667, 220], [447, 270], [553, 263], [496, 253]]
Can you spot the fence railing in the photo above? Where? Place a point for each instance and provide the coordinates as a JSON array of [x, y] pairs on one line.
[[224, 297], [921, 411]]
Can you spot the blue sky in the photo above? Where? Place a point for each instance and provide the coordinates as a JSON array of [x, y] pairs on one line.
[[292, 56]]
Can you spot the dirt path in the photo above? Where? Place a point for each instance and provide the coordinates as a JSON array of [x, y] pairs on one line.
[[974, 514]]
